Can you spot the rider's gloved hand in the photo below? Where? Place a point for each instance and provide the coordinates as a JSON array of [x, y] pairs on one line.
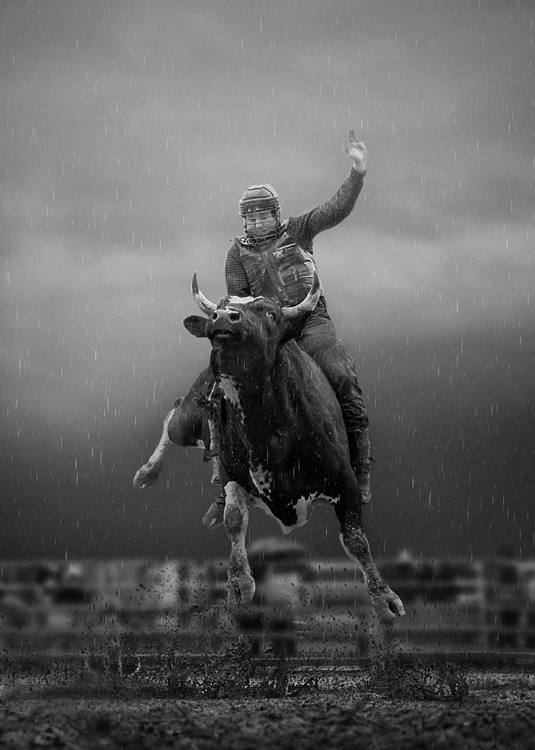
[[357, 151]]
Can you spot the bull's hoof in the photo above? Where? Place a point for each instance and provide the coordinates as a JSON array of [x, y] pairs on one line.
[[240, 590], [147, 475], [388, 606]]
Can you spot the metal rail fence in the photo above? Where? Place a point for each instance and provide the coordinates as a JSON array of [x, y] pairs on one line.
[[301, 606]]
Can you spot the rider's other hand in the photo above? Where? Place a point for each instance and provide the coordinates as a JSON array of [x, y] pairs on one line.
[[357, 151]]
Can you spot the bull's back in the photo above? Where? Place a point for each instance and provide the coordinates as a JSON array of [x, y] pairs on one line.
[[320, 409], [308, 452]]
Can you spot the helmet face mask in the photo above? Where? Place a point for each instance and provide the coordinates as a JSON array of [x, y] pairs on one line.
[[260, 212], [260, 224]]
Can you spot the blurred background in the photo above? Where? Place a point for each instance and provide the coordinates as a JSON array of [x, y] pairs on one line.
[[128, 131], [303, 606]]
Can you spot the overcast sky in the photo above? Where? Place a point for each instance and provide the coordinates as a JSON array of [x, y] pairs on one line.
[[128, 131]]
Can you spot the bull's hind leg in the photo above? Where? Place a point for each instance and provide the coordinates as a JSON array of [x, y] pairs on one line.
[[184, 426], [386, 603], [150, 471], [241, 586]]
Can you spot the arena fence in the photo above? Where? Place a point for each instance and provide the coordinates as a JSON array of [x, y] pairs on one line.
[[302, 606]]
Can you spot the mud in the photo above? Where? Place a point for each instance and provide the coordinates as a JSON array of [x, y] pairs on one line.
[[280, 706]]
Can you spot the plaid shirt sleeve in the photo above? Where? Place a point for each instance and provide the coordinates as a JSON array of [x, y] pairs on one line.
[[235, 276], [305, 227]]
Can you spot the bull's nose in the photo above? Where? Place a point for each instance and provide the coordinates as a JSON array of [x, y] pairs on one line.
[[231, 316]]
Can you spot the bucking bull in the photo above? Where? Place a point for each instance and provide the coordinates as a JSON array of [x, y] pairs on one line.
[[282, 439]]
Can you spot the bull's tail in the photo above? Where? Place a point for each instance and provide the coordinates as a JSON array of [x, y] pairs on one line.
[[150, 471]]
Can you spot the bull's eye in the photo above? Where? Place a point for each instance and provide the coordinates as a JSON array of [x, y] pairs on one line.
[[271, 315]]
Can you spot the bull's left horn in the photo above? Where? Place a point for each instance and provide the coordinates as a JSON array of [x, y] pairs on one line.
[[306, 305], [203, 302]]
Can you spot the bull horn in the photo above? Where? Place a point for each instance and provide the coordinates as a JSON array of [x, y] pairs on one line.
[[306, 305], [203, 302]]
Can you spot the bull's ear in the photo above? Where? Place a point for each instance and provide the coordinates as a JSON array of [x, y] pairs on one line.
[[196, 325]]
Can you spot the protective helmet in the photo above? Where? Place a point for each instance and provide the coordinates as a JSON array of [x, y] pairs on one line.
[[259, 198]]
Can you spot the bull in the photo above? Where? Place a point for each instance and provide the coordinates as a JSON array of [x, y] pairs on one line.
[[280, 433]]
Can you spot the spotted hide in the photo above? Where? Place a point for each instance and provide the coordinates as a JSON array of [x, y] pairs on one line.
[[282, 440]]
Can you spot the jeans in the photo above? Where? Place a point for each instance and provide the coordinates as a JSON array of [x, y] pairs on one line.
[[320, 341]]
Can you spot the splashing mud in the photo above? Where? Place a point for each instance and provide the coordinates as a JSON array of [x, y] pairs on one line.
[[399, 676], [239, 700]]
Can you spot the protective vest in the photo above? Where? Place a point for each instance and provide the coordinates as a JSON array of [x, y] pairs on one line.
[[281, 271]]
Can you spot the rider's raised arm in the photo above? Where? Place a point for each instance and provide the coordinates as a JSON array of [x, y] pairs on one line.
[[305, 227], [235, 276]]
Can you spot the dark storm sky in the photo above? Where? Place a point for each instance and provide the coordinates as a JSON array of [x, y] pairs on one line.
[[128, 131]]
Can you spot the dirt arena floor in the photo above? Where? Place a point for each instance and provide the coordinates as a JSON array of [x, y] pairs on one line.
[[236, 704]]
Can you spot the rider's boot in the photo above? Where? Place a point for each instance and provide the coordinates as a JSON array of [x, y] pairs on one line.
[[214, 515], [213, 457], [359, 450]]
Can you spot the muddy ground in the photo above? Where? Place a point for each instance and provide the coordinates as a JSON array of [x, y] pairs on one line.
[[282, 706]]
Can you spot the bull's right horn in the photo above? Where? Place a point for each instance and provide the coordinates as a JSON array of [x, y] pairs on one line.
[[203, 302], [306, 305]]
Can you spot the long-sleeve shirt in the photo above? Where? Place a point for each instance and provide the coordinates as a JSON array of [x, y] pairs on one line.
[[302, 229]]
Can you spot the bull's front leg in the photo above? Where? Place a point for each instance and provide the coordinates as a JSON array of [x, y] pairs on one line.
[[386, 603], [241, 585]]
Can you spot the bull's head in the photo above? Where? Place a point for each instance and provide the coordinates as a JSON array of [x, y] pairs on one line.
[[247, 325]]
